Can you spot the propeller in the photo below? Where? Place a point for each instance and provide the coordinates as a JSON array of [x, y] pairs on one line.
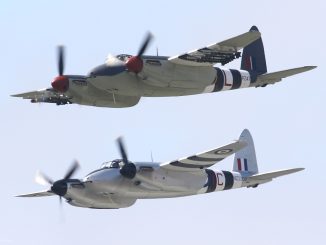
[[135, 63], [122, 150], [61, 58], [58, 187], [72, 170], [61, 82], [128, 169], [145, 44], [43, 179]]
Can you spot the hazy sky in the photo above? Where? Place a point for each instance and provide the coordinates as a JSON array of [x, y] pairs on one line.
[[287, 121]]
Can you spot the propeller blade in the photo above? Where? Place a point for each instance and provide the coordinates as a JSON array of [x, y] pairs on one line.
[[72, 170], [61, 211], [61, 58], [144, 46], [42, 179], [122, 150], [129, 169]]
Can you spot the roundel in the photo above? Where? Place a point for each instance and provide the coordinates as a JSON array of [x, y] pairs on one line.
[[223, 151]]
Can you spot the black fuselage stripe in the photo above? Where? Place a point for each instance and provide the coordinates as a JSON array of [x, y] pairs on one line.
[[211, 180], [204, 159], [236, 78], [220, 80], [189, 165], [229, 180]]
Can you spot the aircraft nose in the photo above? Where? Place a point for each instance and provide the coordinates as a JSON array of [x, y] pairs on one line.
[[107, 70], [59, 187], [103, 175], [60, 84]]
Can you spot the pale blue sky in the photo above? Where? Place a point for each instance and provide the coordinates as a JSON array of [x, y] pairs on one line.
[[287, 122]]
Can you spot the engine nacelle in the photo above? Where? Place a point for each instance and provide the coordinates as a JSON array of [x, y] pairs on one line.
[[106, 202], [79, 195]]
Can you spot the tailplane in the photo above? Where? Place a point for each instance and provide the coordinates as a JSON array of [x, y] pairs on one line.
[[257, 179], [253, 56], [245, 161], [274, 77], [275, 174]]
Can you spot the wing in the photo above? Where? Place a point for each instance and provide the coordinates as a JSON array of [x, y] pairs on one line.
[[45, 95], [205, 159], [271, 78], [269, 176], [274, 174], [222, 52], [38, 194]]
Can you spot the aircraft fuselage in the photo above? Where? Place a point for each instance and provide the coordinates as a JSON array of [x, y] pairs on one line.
[[105, 86], [106, 188]]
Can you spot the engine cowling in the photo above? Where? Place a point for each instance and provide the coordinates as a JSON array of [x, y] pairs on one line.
[[128, 170], [135, 64], [60, 84]]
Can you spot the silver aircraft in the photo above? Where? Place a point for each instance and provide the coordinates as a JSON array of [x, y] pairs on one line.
[[119, 183], [123, 79]]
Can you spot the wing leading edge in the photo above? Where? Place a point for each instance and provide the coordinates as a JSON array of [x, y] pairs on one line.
[[262, 178], [38, 194], [204, 159], [47, 95], [274, 77]]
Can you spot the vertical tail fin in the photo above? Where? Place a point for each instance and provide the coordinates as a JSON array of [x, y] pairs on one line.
[[245, 160], [253, 56]]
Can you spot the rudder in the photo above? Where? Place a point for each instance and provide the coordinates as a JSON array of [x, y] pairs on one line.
[[245, 160], [253, 56]]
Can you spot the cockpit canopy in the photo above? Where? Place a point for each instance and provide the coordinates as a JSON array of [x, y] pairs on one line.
[[117, 163], [123, 57]]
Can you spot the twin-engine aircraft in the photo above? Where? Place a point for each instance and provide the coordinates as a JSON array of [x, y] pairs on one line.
[[119, 183], [123, 79]]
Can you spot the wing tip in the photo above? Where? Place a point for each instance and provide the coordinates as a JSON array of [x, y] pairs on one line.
[[310, 67], [294, 170], [21, 195], [299, 169], [305, 68], [37, 194]]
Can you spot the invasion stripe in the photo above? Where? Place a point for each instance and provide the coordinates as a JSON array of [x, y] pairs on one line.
[[229, 180], [211, 180], [237, 80], [204, 159], [220, 80], [187, 165]]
